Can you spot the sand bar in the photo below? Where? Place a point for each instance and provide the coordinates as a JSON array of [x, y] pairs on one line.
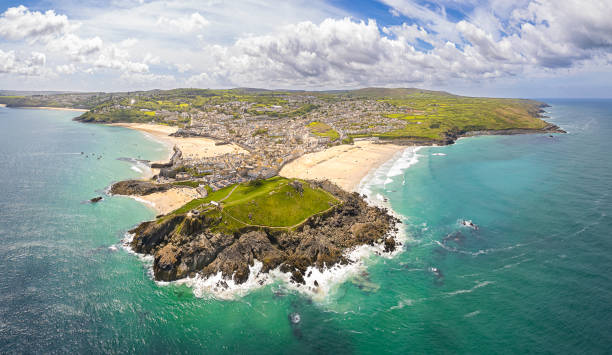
[[345, 165], [192, 147]]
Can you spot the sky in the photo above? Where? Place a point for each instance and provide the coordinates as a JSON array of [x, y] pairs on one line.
[[511, 48]]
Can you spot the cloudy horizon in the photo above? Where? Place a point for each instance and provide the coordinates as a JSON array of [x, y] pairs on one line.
[[516, 48]]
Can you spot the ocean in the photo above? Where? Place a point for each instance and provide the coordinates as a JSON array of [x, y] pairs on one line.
[[534, 277]]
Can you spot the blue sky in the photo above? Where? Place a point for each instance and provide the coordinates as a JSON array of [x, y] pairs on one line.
[[518, 48]]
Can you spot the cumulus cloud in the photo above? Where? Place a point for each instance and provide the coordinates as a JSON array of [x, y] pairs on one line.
[[57, 35], [66, 69], [493, 39], [192, 23], [347, 53], [11, 64], [18, 23], [537, 36]]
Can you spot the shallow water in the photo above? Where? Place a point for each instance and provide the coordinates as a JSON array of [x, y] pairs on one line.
[[535, 276]]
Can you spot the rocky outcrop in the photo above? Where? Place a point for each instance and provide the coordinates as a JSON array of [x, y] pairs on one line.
[[138, 187], [184, 245]]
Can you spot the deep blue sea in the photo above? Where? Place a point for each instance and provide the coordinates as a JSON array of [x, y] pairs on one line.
[[534, 278]]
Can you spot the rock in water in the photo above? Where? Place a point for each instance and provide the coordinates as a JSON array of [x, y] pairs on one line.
[[96, 199], [295, 318]]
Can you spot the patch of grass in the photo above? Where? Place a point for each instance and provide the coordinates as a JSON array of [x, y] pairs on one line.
[[271, 203], [187, 183], [323, 130]]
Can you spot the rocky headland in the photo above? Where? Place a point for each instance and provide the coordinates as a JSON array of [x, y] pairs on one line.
[[186, 244]]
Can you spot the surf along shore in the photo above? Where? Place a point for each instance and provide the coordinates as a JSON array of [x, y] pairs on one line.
[[164, 202], [294, 257], [344, 165]]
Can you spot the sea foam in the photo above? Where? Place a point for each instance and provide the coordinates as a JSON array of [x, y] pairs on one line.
[[329, 278]]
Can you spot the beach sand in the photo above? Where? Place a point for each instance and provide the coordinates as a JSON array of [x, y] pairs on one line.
[[345, 165], [168, 201], [192, 148], [56, 108]]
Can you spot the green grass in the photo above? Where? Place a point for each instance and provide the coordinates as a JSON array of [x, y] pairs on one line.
[[187, 183], [323, 130], [433, 115], [270, 203]]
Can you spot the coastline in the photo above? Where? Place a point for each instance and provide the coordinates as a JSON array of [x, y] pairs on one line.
[[53, 108], [344, 165], [393, 162], [360, 168], [191, 147]]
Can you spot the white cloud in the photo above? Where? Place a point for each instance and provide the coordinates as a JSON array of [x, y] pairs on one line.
[[18, 23], [56, 34], [346, 53], [311, 44], [192, 23], [11, 64], [66, 69]]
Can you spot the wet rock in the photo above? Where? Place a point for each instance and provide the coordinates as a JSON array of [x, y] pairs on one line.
[[96, 199]]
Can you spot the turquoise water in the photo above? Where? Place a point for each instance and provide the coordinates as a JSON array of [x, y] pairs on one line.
[[535, 277]]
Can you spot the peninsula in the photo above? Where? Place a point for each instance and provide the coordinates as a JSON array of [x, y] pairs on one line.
[[268, 176]]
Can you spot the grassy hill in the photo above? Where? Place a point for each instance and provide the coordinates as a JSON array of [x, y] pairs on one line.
[[275, 203], [430, 115]]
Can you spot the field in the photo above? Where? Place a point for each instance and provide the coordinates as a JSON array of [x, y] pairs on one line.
[[273, 203], [433, 115], [323, 130]]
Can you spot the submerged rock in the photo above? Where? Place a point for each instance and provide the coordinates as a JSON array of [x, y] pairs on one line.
[[96, 199]]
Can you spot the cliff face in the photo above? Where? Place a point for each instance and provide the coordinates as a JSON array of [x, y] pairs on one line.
[[183, 245]]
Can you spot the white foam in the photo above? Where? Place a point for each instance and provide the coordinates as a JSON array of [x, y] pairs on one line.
[[383, 175], [439, 154], [470, 290], [329, 278], [471, 314], [402, 303], [141, 200], [137, 169]]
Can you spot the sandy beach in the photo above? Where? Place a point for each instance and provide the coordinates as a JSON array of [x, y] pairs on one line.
[[192, 148], [168, 201], [56, 108], [345, 165]]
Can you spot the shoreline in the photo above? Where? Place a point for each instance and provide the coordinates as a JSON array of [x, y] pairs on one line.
[[344, 165], [190, 147], [357, 168], [52, 108]]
